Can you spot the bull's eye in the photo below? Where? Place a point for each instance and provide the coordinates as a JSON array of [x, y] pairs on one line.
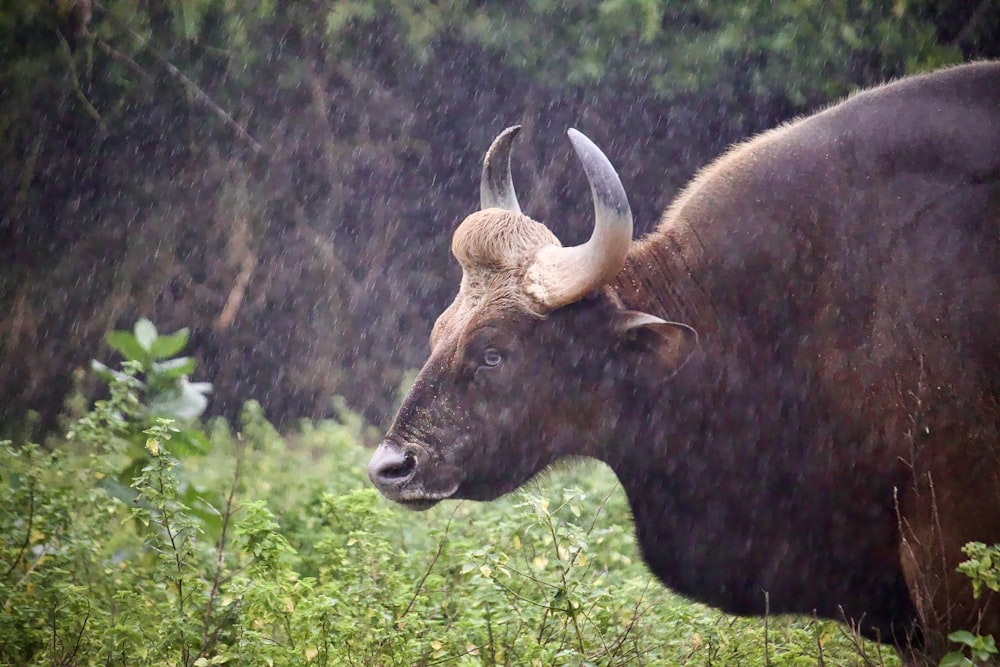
[[492, 357]]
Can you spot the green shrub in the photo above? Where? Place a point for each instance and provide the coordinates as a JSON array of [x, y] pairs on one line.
[[158, 380], [983, 568], [305, 564]]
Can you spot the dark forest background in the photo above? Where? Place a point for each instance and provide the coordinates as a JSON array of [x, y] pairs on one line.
[[284, 177]]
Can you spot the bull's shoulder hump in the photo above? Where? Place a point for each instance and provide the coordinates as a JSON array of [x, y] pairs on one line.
[[946, 121]]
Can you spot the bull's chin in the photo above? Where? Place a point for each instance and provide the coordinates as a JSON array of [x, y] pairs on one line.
[[485, 491], [480, 493], [418, 498], [419, 504]]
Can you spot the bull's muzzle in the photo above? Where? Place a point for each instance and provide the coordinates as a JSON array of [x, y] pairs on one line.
[[402, 474], [391, 467]]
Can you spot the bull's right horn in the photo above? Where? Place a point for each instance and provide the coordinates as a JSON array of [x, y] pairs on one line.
[[496, 189], [561, 276]]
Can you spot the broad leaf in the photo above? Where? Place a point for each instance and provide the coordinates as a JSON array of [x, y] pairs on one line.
[[186, 402], [164, 347], [145, 334], [954, 659], [174, 368], [963, 637], [128, 346]]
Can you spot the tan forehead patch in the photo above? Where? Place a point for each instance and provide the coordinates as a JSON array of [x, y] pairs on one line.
[[495, 247], [499, 239]]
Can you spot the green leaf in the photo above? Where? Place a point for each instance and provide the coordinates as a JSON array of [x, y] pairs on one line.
[[145, 334], [186, 402], [190, 441], [963, 637], [174, 368], [117, 489], [164, 347], [105, 373], [954, 659], [128, 346], [984, 648]]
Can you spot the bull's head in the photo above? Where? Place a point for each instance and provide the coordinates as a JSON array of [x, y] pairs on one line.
[[535, 356]]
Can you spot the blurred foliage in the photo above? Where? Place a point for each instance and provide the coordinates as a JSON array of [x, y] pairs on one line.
[[983, 568], [310, 566], [151, 393], [284, 176], [806, 51], [982, 650], [166, 390]]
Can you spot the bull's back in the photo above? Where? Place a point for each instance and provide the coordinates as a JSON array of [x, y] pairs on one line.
[[853, 262], [857, 251], [844, 273]]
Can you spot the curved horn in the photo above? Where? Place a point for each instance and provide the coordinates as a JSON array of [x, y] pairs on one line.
[[496, 190], [561, 276]]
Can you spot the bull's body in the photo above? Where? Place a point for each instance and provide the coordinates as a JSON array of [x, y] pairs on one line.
[[832, 439]]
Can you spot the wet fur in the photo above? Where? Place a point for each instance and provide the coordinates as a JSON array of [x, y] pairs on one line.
[[844, 273], [833, 440]]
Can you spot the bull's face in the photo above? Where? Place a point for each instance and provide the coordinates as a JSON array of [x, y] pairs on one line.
[[525, 365]]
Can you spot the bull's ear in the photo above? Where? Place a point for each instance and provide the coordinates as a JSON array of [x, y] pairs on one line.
[[664, 347]]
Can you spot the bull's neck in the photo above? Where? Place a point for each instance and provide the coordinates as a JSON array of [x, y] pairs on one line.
[[661, 277], [667, 274]]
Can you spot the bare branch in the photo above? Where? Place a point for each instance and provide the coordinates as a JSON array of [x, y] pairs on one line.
[[128, 61], [77, 86], [196, 90]]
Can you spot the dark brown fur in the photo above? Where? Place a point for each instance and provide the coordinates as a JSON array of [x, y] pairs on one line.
[[834, 439]]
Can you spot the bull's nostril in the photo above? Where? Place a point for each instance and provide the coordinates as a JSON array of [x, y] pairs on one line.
[[398, 470], [391, 466]]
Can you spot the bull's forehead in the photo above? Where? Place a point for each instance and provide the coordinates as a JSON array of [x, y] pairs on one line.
[[484, 295], [495, 248], [495, 239]]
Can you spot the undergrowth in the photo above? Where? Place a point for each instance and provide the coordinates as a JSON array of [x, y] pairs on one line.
[[286, 556]]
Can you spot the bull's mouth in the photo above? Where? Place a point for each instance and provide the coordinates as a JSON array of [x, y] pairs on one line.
[[419, 504], [416, 499], [400, 472]]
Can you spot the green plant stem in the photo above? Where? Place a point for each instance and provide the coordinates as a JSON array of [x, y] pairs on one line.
[[27, 533], [220, 555]]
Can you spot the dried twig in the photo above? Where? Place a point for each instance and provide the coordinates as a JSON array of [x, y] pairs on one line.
[[427, 572], [239, 288], [767, 639]]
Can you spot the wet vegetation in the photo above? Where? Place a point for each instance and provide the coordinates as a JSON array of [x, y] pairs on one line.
[[283, 179], [270, 550]]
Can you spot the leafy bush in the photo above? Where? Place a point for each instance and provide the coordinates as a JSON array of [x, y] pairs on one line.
[[983, 568], [164, 389], [309, 565]]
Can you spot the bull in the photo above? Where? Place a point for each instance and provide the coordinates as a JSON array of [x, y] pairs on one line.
[[795, 377]]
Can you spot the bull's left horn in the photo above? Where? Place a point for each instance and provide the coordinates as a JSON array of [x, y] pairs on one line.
[[496, 189], [561, 276]]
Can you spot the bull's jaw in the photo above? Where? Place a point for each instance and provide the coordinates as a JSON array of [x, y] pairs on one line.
[[399, 473]]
